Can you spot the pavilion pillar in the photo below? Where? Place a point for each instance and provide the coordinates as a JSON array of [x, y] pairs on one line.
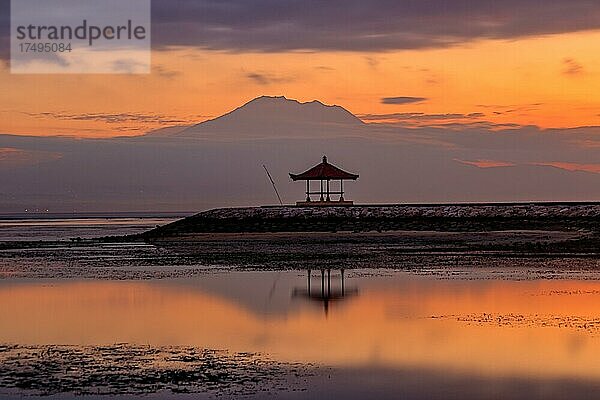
[[322, 199], [341, 190], [328, 198], [307, 190]]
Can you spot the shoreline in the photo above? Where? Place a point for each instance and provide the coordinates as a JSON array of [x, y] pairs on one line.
[[530, 228], [547, 229]]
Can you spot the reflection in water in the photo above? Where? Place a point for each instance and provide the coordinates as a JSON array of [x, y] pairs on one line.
[[528, 329], [327, 293]]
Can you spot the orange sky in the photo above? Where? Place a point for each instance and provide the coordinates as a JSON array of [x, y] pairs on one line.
[[549, 81]]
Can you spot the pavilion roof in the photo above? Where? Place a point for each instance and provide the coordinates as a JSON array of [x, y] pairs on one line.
[[323, 171]]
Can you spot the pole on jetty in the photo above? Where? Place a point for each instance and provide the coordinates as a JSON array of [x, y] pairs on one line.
[[273, 183]]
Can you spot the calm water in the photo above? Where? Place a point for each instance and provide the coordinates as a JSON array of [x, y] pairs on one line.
[[409, 333], [21, 227]]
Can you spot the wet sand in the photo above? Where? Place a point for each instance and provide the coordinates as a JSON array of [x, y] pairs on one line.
[[506, 255], [124, 369]]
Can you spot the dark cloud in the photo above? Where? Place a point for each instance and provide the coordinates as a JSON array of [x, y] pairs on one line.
[[288, 25], [510, 109], [402, 100], [372, 62], [419, 116], [324, 68], [4, 29], [164, 72], [109, 118], [262, 78], [470, 125], [127, 66], [572, 67], [351, 25], [258, 78]]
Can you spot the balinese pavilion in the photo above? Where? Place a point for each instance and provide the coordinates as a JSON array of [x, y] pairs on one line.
[[324, 173]]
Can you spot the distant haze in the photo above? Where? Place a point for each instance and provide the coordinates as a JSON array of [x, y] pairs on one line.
[[219, 163]]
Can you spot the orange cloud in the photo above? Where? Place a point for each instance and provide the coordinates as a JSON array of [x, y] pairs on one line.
[[486, 163], [594, 168]]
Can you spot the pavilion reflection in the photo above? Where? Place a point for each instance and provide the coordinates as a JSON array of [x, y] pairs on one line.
[[324, 291]]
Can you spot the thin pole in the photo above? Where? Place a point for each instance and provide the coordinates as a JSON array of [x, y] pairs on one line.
[[273, 183], [328, 198]]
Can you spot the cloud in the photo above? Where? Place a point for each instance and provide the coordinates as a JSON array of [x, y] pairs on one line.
[[569, 166], [356, 25], [487, 163], [164, 72], [471, 125], [4, 29], [109, 118], [402, 100], [419, 116], [264, 79], [128, 66], [350, 25], [514, 109], [450, 121], [572, 67], [372, 62], [324, 68]]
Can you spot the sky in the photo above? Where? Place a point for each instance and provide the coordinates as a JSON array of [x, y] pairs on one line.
[[435, 70], [507, 62]]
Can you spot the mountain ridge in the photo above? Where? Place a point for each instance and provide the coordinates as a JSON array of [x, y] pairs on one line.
[[273, 116], [266, 100]]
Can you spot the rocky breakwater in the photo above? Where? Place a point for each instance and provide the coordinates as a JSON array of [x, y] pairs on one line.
[[459, 218]]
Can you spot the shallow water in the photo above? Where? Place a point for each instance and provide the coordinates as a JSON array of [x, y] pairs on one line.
[[24, 227], [140, 321], [408, 333]]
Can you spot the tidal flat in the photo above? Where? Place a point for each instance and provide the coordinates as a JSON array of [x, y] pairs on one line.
[[292, 315]]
